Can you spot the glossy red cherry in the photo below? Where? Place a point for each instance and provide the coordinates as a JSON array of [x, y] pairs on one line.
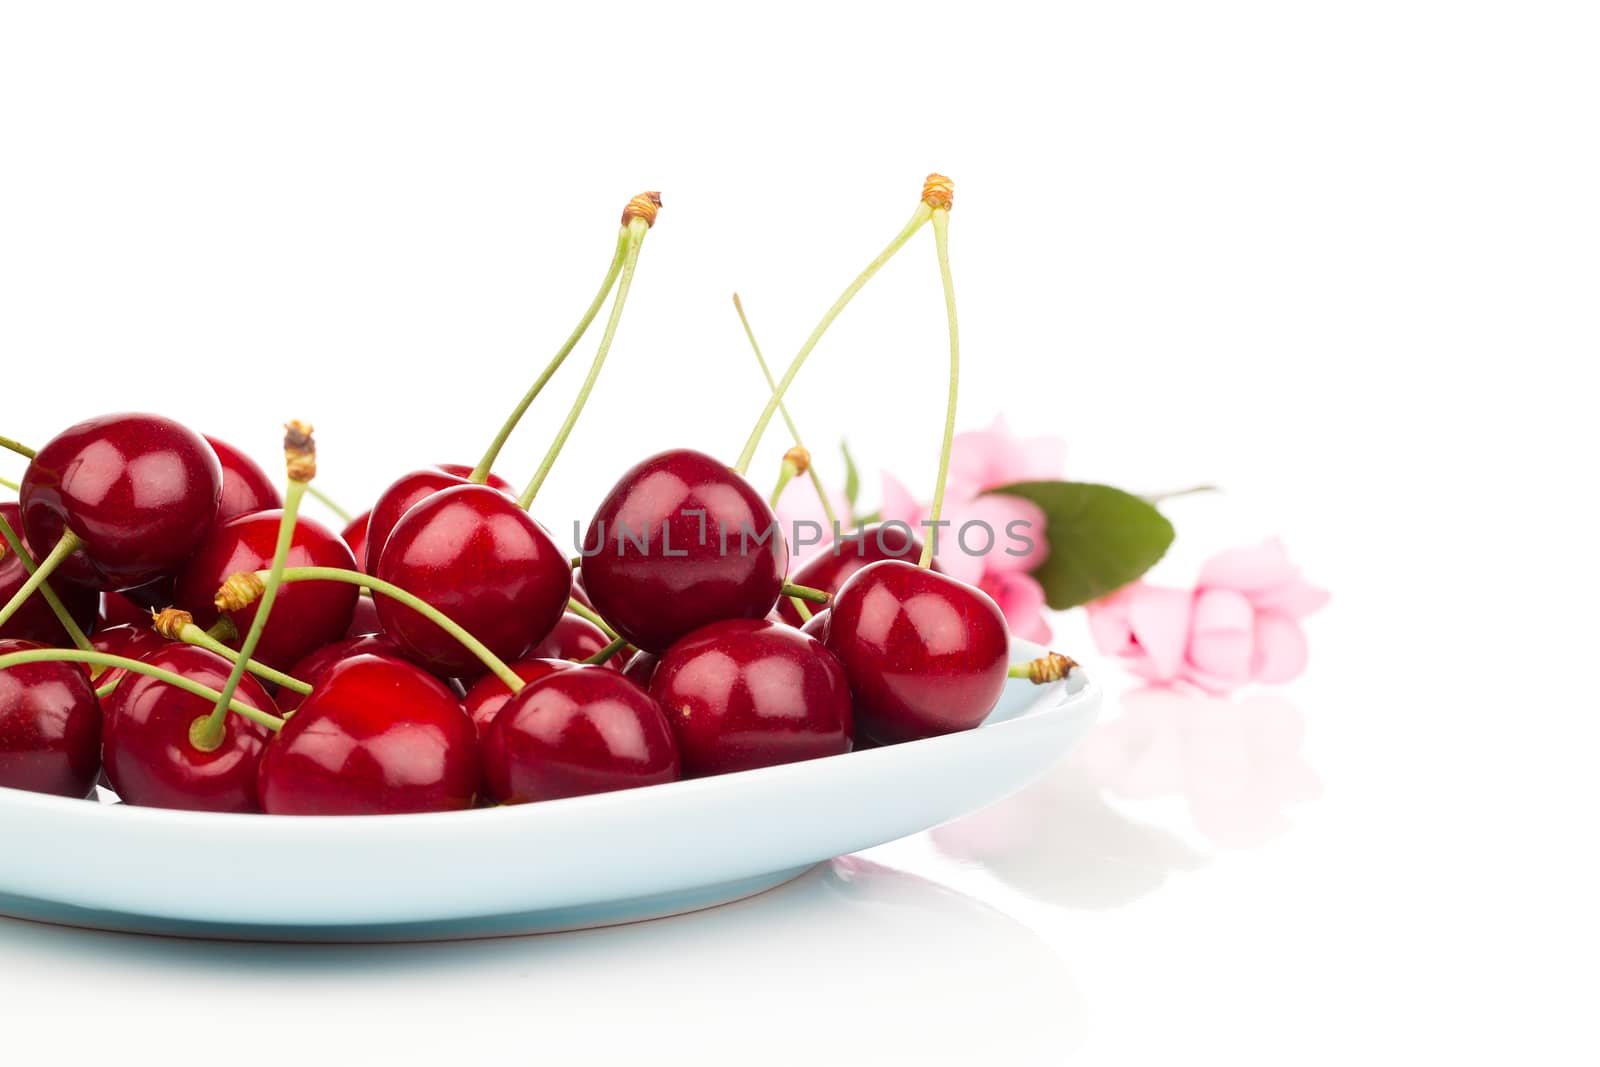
[[834, 566], [34, 621], [575, 732], [150, 760], [485, 699], [682, 541], [573, 638], [130, 641], [117, 610], [641, 668], [365, 620], [49, 727], [751, 693], [245, 486], [311, 669], [307, 616], [140, 490], [405, 493], [817, 626], [355, 535], [925, 653], [471, 552], [378, 737]]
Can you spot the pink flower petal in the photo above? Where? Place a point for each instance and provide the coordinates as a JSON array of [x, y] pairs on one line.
[[1021, 600], [1160, 620], [1296, 599], [1222, 635], [898, 504], [1280, 649], [1250, 571], [1109, 625]]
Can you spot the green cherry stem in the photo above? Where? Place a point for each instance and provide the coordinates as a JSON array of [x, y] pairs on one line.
[[328, 502], [300, 456], [794, 462], [794, 431], [1050, 667], [918, 217], [175, 624], [1173, 494], [248, 586], [940, 198], [65, 547], [639, 216], [107, 689], [106, 661], [18, 447], [13, 543], [11, 485], [616, 645], [801, 608], [805, 592], [480, 473], [582, 610]]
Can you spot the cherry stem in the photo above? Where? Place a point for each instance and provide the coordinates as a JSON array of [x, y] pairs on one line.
[[794, 431], [223, 630], [616, 645], [920, 216], [107, 689], [190, 634], [132, 666], [786, 474], [480, 473], [636, 234], [63, 616], [327, 502], [801, 607], [1050, 667], [805, 592], [11, 485], [1171, 494], [65, 547], [18, 447], [337, 574], [209, 737], [941, 241], [582, 610]]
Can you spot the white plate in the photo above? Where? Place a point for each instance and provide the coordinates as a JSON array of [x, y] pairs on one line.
[[564, 864]]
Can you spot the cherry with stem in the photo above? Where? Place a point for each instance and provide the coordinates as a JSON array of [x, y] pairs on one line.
[[175, 624], [480, 473], [583, 611], [18, 447], [599, 658], [638, 217], [939, 195], [65, 547], [13, 544]]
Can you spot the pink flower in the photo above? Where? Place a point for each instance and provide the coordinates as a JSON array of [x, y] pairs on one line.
[[1240, 623], [799, 504]]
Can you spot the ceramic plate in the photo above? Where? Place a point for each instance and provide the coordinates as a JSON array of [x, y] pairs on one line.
[[564, 864]]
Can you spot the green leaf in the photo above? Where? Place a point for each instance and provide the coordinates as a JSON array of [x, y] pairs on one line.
[[1100, 538], [852, 479]]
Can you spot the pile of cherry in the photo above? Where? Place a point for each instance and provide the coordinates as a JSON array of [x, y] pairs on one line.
[[170, 625]]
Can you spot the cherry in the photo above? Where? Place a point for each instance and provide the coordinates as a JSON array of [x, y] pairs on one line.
[[49, 727], [485, 699], [573, 638], [925, 653], [641, 668], [309, 615], [471, 552], [149, 755], [130, 640], [850, 553], [365, 620], [139, 491], [405, 493], [311, 669], [355, 535], [117, 610], [674, 546], [245, 486], [33, 620], [748, 693], [378, 737], [817, 626], [575, 732]]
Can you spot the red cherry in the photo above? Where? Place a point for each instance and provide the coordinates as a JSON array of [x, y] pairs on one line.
[[925, 653], [485, 699], [830, 570], [365, 620], [130, 641], [140, 490], [682, 581], [117, 610], [378, 737], [575, 732], [579, 593], [641, 668], [405, 493], [49, 727], [573, 638], [474, 554], [355, 535], [751, 693], [151, 761], [307, 616], [34, 621], [817, 626], [311, 669], [245, 486]]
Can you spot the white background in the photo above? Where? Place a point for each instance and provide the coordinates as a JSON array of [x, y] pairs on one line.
[[1339, 258]]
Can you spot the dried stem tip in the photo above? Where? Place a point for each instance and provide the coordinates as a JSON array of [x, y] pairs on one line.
[[169, 622], [799, 459], [1050, 667], [240, 591], [644, 206], [299, 451], [938, 192]]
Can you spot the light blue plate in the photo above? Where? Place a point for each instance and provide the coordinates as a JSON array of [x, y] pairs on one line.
[[565, 864]]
